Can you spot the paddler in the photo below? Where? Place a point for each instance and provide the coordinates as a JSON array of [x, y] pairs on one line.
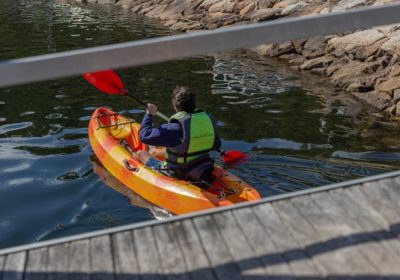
[[185, 140]]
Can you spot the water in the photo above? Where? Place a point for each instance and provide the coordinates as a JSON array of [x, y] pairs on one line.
[[298, 130]]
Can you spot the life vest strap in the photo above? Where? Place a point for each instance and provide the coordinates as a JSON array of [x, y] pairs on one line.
[[186, 155]]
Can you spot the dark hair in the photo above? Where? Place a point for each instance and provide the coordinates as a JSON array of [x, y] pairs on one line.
[[184, 99]]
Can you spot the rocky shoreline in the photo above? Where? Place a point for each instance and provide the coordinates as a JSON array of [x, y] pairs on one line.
[[365, 63]]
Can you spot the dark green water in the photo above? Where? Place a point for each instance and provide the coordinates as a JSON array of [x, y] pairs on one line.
[[299, 131]]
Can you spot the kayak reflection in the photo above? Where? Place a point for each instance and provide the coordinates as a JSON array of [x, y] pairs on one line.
[[136, 200]]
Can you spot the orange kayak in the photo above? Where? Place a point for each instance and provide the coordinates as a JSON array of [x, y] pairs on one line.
[[114, 138]]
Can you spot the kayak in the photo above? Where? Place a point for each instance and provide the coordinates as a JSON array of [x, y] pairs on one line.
[[114, 139], [134, 199]]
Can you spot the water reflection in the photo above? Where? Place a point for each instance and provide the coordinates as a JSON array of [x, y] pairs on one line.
[[299, 131], [134, 199]]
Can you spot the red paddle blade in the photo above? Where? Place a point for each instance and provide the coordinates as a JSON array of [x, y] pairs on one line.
[[234, 156], [107, 81]]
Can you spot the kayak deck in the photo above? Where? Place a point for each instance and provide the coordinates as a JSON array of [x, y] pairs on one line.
[[107, 133]]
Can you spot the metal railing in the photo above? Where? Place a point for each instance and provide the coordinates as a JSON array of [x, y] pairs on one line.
[[63, 64]]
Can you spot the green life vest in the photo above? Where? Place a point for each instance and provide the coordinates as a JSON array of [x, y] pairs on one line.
[[198, 140]]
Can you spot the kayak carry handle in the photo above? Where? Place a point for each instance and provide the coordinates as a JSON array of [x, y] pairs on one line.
[[129, 166]]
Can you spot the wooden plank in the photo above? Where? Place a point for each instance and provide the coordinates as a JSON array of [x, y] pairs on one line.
[[149, 262], [215, 248], [102, 267], [126, 266], [383, 196], [373, 221], [57, 262], [36, 264], [79, 260], [279, 232], [237, 244], [197, 263], [2, 261], [262, 245], [322, 253], [350, 261], [14, 265], [173, 265], [354, 235]]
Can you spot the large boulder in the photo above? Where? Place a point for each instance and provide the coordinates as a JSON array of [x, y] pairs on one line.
[[392, 43], [319, 62], [345, 75], [352, 42], [262, 15], [247, 9], [364, 52], [263, 4], [349, 4], [380, 100], [225, 6], [390, 85], [285, 3], [175, 9], [315, 47], [294, 8]]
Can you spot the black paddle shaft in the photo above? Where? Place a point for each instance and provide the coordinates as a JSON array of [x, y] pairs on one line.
[[134, 98]]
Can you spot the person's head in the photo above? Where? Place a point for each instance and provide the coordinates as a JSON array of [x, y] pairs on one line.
[[183, 99]]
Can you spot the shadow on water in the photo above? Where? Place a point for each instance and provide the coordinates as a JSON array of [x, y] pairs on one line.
[[134, 199], [298, 131]]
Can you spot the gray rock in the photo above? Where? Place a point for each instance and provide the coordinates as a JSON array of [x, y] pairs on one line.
[[107, 1], [345, 75], [365, 52], [283, 4], [224, 6], [396, 95], [299, 44], [294, 8], [320, 62], [359, 87], [315, 47], [247, 9], [380, 100], [263, 4], [174, 10], [349, 4], [299, 60], [281, 49], [352, 42], [157, 11], [392, 43], [336, 65], [262, 15], [392, 110], [390, 85], [217, 20], [187, 25]]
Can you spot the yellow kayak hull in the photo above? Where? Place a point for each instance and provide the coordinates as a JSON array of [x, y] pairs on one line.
[[107, 129]]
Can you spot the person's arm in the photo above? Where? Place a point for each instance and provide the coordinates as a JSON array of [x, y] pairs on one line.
[[166, 135]]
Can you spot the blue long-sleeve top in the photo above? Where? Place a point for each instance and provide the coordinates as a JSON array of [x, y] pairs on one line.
[[166, 135]]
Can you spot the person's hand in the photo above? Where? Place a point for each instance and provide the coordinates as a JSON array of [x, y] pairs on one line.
[[151, 109]]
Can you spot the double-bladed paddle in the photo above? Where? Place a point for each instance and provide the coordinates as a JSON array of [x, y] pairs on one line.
[[109, 82]]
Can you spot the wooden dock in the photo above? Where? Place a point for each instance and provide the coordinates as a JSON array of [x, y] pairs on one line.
[[342, 231]]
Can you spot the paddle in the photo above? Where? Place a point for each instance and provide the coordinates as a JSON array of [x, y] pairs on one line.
[[109, 82]]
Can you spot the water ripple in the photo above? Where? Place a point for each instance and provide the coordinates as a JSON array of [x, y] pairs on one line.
[[14, 126]]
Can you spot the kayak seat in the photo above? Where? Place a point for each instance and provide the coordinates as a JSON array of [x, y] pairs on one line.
[[199, 173]]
